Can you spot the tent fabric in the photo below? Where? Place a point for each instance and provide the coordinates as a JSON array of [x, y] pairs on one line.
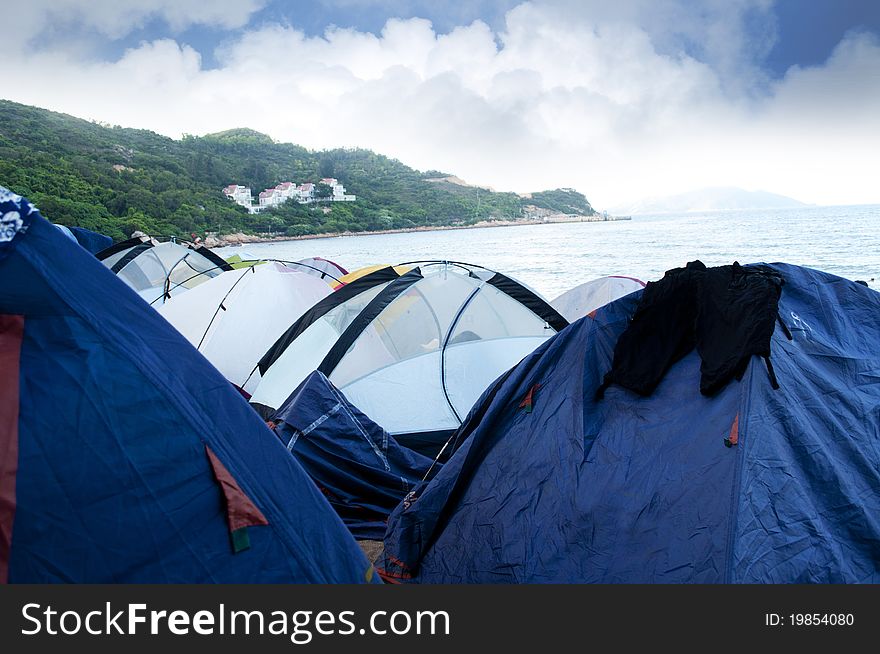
[[582, 300], [11, 331], [361, 469], [232, 319], [92, 241], [236, 261], [159, 271], [752, 485], [354, 275], [113, 482], [15, 220], [325, 269], [208, 254], [314, 334], [111, 254], [363, 320], [433, 338], [127, 257], [66, 231], [529, 299], [375, 280], [241, 513]]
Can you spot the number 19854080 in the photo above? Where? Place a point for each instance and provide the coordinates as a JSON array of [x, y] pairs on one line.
[[821, 619]]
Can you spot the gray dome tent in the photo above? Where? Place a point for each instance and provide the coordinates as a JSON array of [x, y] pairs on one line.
[[156, 270], [413, 351]]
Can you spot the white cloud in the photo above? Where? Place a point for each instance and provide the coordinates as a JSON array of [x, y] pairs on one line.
[[639, 99]]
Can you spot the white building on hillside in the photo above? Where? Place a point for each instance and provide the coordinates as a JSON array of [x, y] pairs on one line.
[[273, 197], [338, 189], [288, 190], [306, 192], [239, 194]]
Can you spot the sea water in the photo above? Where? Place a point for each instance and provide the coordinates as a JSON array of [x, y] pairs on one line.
[[554, 257]]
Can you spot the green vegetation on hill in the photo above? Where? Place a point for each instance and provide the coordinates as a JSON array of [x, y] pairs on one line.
[[562, 200], [116, 180]]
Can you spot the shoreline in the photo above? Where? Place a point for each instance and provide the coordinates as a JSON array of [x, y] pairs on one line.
[[232, 240]]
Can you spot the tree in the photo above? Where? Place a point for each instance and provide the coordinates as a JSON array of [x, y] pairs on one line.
[[327, 167], [116, 179], [323, 191]]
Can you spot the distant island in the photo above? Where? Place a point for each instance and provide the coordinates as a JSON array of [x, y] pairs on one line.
[[117, 180], [723, 198]]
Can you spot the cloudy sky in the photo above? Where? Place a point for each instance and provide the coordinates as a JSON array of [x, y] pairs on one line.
[[621, 100]]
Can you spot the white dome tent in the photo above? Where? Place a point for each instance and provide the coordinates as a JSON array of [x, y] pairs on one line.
[[323, 268], [581, 300], [158, 271], [413, 351], [233, 318]]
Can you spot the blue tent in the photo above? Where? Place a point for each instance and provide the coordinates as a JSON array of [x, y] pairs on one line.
[[361, 469], [124, 455], [92, 241], [551, 484]]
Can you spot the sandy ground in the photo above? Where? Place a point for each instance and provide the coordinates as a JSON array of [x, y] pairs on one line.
[[372, 548]]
